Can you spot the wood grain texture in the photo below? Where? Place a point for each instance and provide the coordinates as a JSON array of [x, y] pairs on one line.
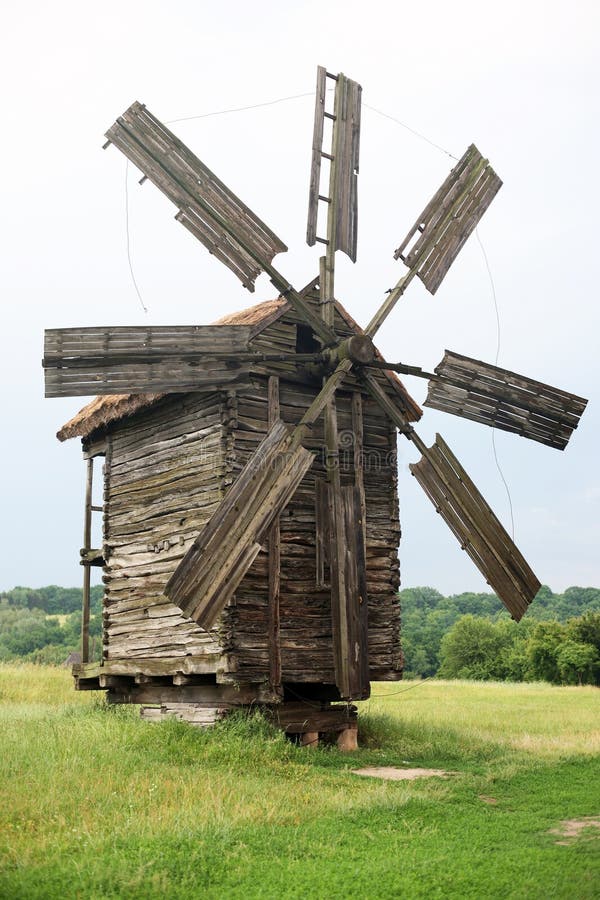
[[450, 217], [212, 212], [478, 530], [502, 399]]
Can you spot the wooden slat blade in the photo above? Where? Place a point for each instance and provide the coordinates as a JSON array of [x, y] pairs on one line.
[[449, 218], [207, 208], [478, 530], [317, 146], [215, 564], [124, 360], [503, 399], [345, 149]]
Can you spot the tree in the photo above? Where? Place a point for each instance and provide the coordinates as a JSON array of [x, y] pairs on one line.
[[577, 663], [542, 650], [476, 648]]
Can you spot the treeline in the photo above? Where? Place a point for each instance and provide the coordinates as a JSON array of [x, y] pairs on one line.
[[472, 636], [43, 625], [52, 599], [466, 635]]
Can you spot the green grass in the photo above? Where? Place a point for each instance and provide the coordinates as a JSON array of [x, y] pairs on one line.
[[96, 803]]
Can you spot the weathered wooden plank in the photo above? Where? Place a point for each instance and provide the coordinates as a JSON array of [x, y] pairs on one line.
[[224, 222], [315, 167], [449, 219], [344, 170], [356, 596], [503, 399], [479, 531], [214, 566], [87, 541], [322, 535], [274, 551]]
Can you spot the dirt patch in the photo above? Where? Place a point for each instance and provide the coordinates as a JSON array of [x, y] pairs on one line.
[[489, 800], [571, 829], [391, 773]]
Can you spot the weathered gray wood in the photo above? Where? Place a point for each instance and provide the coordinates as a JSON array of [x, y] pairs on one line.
[[87, 541], [356, 617], [274, 550], [224, 223], [344, 170], [449, 219], [317, 146], [358, 453], [225, 549], [337, 555], [479, 531], [81, 362], [322, 536], [502, 399]]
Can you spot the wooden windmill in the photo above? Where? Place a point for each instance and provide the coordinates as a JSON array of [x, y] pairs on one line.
[[169, 360]]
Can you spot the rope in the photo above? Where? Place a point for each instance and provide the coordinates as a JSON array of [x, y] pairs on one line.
[[495, 300]]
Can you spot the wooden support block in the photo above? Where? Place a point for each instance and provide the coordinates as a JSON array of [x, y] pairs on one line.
[[348, 740], [310, 739]]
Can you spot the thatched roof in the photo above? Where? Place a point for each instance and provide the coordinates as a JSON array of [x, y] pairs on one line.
[[110, 408]]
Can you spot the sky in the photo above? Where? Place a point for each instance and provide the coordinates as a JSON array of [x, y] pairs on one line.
[[520, 79]]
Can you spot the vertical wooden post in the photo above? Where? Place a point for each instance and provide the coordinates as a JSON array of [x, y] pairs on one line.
[[274, 546], [87, 542], [359, 479]]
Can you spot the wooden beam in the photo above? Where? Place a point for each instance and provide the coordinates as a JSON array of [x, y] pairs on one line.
[[274, 548], [87, 541]]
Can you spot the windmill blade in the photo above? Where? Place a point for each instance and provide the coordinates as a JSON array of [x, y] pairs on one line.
[[131, 359], [475, 390], [449, 218], [342, 199], [466, 512], [207, 208], [478, 530], [215, 564]]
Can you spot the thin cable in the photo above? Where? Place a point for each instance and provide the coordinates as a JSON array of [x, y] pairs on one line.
[[137, 290], [235, 109], [412, 130], [403, 691], [493, 287]]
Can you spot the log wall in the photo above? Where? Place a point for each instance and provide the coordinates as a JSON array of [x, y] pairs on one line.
[[305, 612], [167, 469], [165, 474]]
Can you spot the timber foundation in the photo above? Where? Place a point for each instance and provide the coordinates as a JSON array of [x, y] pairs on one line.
[[304, 712]]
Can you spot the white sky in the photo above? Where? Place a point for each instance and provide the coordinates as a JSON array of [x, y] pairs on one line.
[[520, 79]]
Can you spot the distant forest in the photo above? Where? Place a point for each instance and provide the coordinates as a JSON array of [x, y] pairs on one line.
[[462, 636]]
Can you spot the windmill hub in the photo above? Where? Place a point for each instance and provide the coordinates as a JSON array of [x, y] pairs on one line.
[[359, 349]]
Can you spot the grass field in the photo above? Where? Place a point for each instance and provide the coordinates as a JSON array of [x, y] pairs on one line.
[[96, 803]]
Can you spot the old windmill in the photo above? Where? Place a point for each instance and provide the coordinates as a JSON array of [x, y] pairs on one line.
[[266, 569]]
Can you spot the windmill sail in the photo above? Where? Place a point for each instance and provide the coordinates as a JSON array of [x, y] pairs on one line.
[[125, 360], [215, 564], [478, 530], [449, 218], [344, 156], [475, 390], [207, 208]]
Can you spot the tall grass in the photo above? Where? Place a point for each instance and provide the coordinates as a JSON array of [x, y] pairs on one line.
[[96, 802]]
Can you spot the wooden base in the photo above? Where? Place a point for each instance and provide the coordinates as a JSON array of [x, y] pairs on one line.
[[184, 690]]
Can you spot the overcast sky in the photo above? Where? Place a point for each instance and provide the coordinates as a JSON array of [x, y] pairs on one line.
[[520, 79]]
